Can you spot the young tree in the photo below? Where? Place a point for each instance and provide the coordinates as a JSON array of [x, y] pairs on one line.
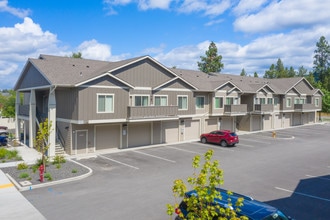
[[271, 73], [41, 141], [255, 75], [211, 63], [204, 182], [7, 104], [243, 73], [76, 55]]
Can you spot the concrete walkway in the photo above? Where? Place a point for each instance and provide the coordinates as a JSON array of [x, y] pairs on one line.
[[13, 204]]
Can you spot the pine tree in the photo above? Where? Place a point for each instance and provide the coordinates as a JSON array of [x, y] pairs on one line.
[[211, 63]]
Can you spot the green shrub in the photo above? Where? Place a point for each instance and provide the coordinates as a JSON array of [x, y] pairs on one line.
[[22, 166], [48, 176], [12, 154], [3, 153], [23, 175], [74, 171], [59, 159], [39, 162], [34, 168], [58, 166]]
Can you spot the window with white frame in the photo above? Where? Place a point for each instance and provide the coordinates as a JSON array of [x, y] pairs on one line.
[[142, 100], [296, 101], [269, 101], [231, 101], [218, 102], [262, 101], [105, 103], [288, 102], [200, 102], [160, 100], [302, 101], [317, 100], [182, 102]]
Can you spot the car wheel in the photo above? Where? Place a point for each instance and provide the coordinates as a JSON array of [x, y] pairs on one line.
[[203, 140], [223, 143]]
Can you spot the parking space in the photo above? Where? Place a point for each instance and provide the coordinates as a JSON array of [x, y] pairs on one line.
[[289, 173]]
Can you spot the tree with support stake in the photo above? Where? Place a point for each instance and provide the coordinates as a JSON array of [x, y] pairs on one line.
[[41, 141]]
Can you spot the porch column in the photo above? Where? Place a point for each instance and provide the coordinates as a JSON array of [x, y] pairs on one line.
[[32, 118], [17, 122], [52, 119]]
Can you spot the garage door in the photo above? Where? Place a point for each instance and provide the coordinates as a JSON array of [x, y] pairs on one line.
[[226, 123], [139, 134], [107, 136], [296, 119], [267, 122], [170, 131], [287, 120], [311, 117], [211, 125], [191, 129], [277, 121], [256, 122]]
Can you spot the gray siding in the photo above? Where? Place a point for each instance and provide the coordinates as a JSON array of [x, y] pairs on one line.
[[106, 81], [33, 79], [303, 87], [144, 74], [67, 103]]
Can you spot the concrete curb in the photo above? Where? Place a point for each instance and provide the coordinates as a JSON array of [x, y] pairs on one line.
[[26, 188]]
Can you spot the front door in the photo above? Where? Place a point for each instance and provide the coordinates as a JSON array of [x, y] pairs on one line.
[[81, 142]]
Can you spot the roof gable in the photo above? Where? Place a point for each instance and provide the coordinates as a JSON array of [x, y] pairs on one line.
[[175, 83]]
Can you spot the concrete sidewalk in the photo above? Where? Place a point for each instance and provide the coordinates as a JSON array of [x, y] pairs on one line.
[[13, 204]]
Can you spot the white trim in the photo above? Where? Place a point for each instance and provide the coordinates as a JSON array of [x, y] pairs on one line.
[[105, 121], [286, 102], [163, 84], [141, 95], [97, 103], [177, 99], [104, 87], [174, 89]]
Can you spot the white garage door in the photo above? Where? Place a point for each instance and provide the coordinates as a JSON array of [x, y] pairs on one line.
[[191, 129], [107, 136], [211, 125], [267, 120], [277, 121], [226, 123], [170, 131], [256, 122], [139, 134], [287, 120]]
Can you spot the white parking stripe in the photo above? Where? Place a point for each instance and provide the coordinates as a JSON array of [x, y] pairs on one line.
[[213, 146], [150, 155], [116, 161], [246, 145], [189, 151], [303, 194], [322, 178], [245, 139]]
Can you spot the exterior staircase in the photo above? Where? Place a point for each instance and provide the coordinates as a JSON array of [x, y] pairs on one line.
[[59, 150]]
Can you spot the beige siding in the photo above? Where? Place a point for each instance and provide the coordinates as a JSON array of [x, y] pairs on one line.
[[211, 125], [267, 122], [287, 120], [243, 123], [156, 128], [256, 122], [297, 119], [226, 123], [139, 134]]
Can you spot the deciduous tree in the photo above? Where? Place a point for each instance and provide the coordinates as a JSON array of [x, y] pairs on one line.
[[41, 141]]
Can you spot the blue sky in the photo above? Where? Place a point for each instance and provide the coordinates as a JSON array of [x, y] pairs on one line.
[[249, 34]]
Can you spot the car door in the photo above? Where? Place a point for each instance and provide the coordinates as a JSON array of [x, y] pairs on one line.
[[218, 137]]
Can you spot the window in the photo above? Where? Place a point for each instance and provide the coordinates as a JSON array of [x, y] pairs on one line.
[[218, 102], [105, 103], [200, 102], [269, 101], [288, 102], [317, 102], [262, 101], [141, 100], [231, 101], [296, 101], [302, 101], [183, 102], [276, 101], [160, 100]]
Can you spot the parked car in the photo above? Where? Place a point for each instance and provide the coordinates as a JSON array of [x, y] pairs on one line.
[[223, 137], [3, 138], [252, 209]]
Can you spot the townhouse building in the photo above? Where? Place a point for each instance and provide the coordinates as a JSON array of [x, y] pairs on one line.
[[96, 105]]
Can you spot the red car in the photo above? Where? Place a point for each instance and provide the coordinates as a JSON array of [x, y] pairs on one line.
[[223, 137]]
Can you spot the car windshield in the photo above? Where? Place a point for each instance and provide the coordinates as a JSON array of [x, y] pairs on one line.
[[233, 134], [276, 216]]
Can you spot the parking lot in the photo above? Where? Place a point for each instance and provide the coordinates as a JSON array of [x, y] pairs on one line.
[[290, 172]]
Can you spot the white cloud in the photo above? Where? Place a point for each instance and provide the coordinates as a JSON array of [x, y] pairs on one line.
[[152, 4], [21, 13], [248, 6], [94, 50], [280, 15]]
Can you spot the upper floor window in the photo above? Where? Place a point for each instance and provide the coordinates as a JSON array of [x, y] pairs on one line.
[[276, 101], [141, 100], [160, 100], [200, 102], [288, 102], [269, 101], [218, 102], [105, 103], [296, 101], [317, 100], [231, 101], [183, 102]]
